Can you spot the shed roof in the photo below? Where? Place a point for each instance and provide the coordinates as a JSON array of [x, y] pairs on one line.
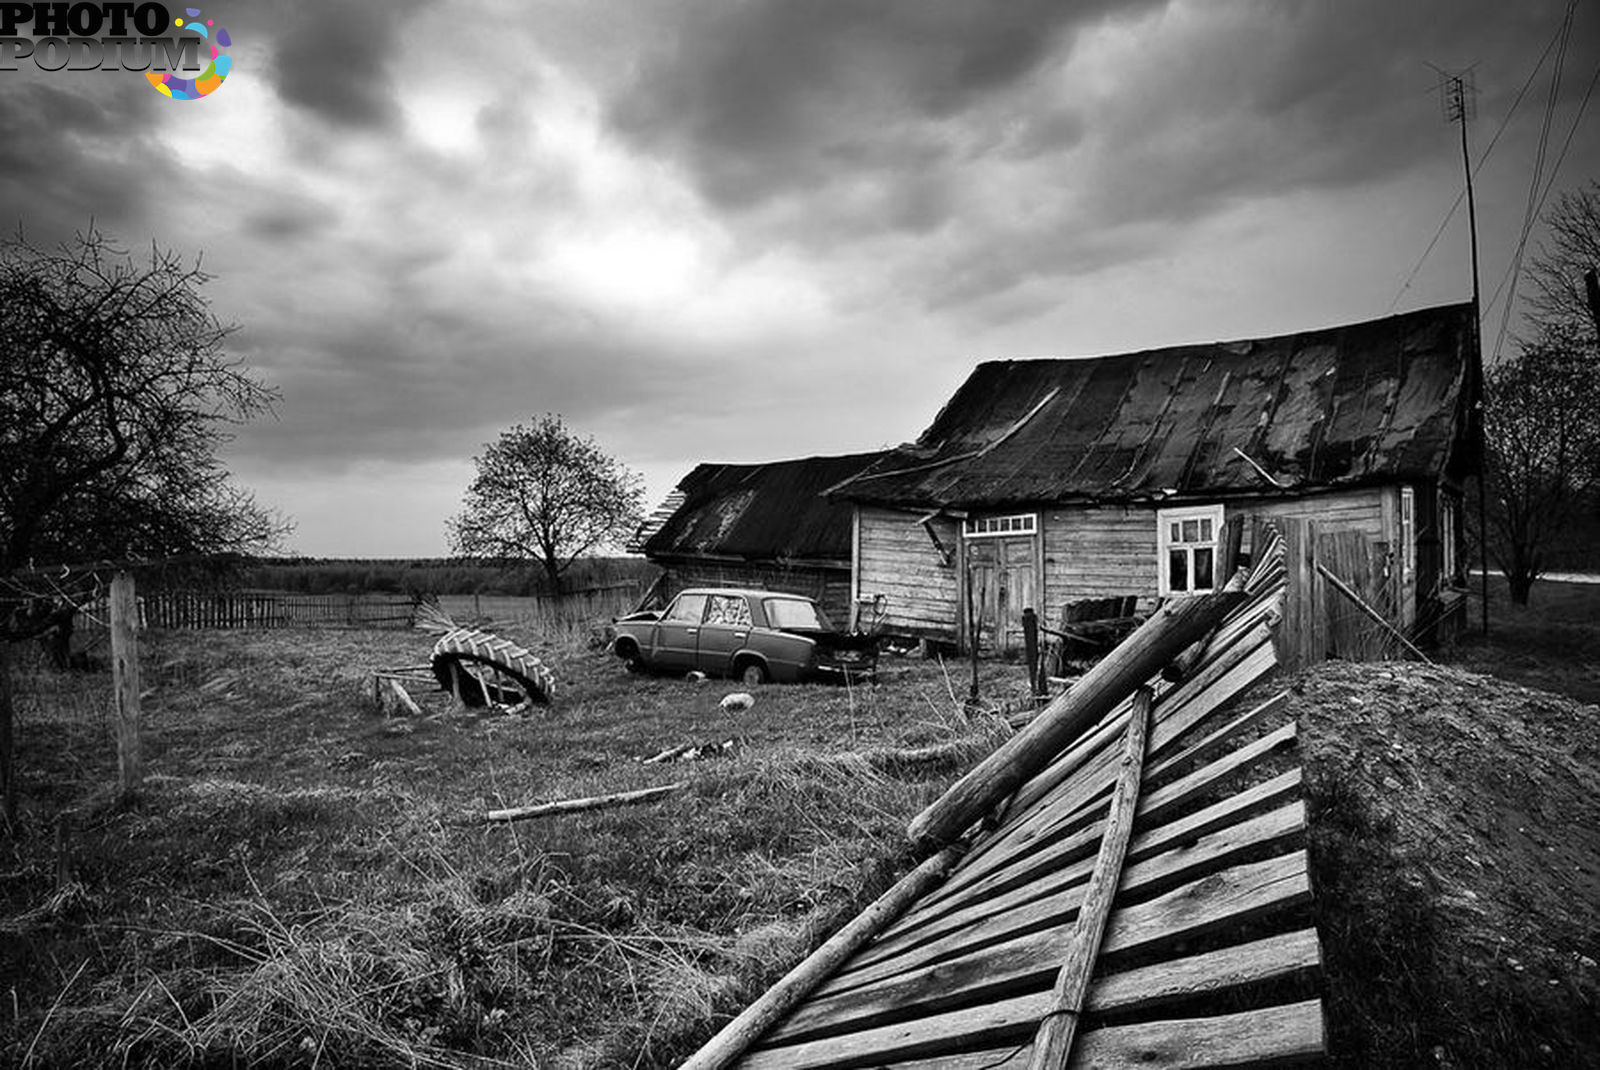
[[761, 511], [1341, 406]]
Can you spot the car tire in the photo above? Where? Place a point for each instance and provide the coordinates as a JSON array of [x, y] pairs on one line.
[[753, 674]]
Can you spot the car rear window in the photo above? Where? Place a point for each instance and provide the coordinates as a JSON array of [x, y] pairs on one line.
[[794, 613]]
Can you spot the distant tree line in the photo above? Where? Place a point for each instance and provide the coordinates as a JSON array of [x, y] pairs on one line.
[[308, 575]]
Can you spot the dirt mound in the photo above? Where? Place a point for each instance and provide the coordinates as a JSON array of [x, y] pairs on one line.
[[1487, 797]]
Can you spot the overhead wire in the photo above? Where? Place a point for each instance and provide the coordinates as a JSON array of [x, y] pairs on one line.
[[1530, 214], [1483, 158]]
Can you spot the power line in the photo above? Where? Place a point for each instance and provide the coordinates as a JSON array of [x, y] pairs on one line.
[[1531, 213], [1462, 193]]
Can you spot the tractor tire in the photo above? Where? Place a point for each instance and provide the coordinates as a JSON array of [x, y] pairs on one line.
[[468, 647]]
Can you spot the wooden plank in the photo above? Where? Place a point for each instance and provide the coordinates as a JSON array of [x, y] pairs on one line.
[[927, 922], [735, 1038], [1054, 899], [1235, 896], [1112, 679], [1053, 816], [1276, 958], [124, 614], [1203, 749], [1271, 1036], [1059, 1027]]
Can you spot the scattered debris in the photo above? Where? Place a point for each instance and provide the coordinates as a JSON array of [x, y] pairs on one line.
[[738, 702], [693, 752], [695, 677]]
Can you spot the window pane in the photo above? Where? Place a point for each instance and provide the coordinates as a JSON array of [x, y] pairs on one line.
[[1203, 580], [1178, 570], [1191, 530], [688, 608], [1174, 535], [1205, 529]]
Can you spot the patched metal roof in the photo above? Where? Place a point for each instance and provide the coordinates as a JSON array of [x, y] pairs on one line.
[[761, 511], [1361, 403]]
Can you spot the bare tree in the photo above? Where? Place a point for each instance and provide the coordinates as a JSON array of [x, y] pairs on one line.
[[115, 396], [1542, 437], [544, 494], [1557, 270]]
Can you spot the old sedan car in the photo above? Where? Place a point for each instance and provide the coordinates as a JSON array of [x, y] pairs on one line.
[[752, 636]]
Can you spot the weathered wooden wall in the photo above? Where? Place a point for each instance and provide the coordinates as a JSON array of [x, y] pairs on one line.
[[829, 586], [899, 561]]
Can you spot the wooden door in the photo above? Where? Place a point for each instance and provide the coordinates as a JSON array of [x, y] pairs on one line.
[[1004, 582]]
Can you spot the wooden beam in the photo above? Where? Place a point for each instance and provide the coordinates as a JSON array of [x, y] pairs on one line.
[[1344, 589], [737, 1036], [124, 611], [1112, 679], [1273, 959], [575, 806], [1052, 1044]]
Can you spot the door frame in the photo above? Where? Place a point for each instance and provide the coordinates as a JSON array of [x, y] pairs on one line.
[[993, 526]]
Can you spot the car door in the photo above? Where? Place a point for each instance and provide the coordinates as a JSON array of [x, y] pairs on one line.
[[725, 632], [676, 634]]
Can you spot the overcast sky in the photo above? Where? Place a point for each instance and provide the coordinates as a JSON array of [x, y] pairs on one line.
[[745, 231]]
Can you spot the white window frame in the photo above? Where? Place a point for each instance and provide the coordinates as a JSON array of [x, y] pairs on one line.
[[1449, 513], [1000, 527], [1165, 518], [1408, 533]]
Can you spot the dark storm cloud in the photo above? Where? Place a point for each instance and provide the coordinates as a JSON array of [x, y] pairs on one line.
[[72, 151], [335, 60], [773, 98]]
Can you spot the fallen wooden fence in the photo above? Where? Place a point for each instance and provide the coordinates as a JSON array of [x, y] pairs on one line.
[[1208, 956]]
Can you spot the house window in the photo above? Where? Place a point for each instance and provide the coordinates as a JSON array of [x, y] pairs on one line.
[[1408, 533], [982, 527], [1187, 541], [1449, 517]]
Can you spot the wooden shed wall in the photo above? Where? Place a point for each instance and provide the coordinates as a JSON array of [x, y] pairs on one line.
[[829, 586], [897, 559], [1090, 551]]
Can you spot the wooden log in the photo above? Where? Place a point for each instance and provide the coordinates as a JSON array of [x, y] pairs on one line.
[[1052, 1044], [1344, 589], [1273, 959], [575, 806], [1112, 679], [402, 697], [738, 1035], [124, 610]]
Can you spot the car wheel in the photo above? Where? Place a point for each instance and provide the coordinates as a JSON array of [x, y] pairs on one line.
[[754, 674]]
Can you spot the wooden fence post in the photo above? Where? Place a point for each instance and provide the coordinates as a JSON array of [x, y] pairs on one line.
[[125, 682]]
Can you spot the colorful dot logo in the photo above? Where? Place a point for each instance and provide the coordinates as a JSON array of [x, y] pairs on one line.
[[216, 38]]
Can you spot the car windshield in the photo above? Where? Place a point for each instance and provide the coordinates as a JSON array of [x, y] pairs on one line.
[[795, 613]]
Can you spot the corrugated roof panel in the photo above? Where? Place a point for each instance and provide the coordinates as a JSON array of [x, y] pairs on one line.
[[1316, 409]]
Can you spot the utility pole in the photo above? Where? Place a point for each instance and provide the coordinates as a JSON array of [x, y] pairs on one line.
[[1459, 96]]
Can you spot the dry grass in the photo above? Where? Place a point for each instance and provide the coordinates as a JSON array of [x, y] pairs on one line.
[[290, 890]]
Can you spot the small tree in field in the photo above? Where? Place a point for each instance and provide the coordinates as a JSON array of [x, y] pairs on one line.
[[1542, 439], [544, 494]]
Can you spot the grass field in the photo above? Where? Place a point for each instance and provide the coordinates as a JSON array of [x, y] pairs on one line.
[[300, 884], [292, 886]]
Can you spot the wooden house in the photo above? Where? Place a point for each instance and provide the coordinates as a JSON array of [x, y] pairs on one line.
[[759, 525], [1046, 482]]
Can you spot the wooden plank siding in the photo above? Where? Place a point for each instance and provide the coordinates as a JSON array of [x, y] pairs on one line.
[[1096, 551], [829, 586], [899, 561]]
